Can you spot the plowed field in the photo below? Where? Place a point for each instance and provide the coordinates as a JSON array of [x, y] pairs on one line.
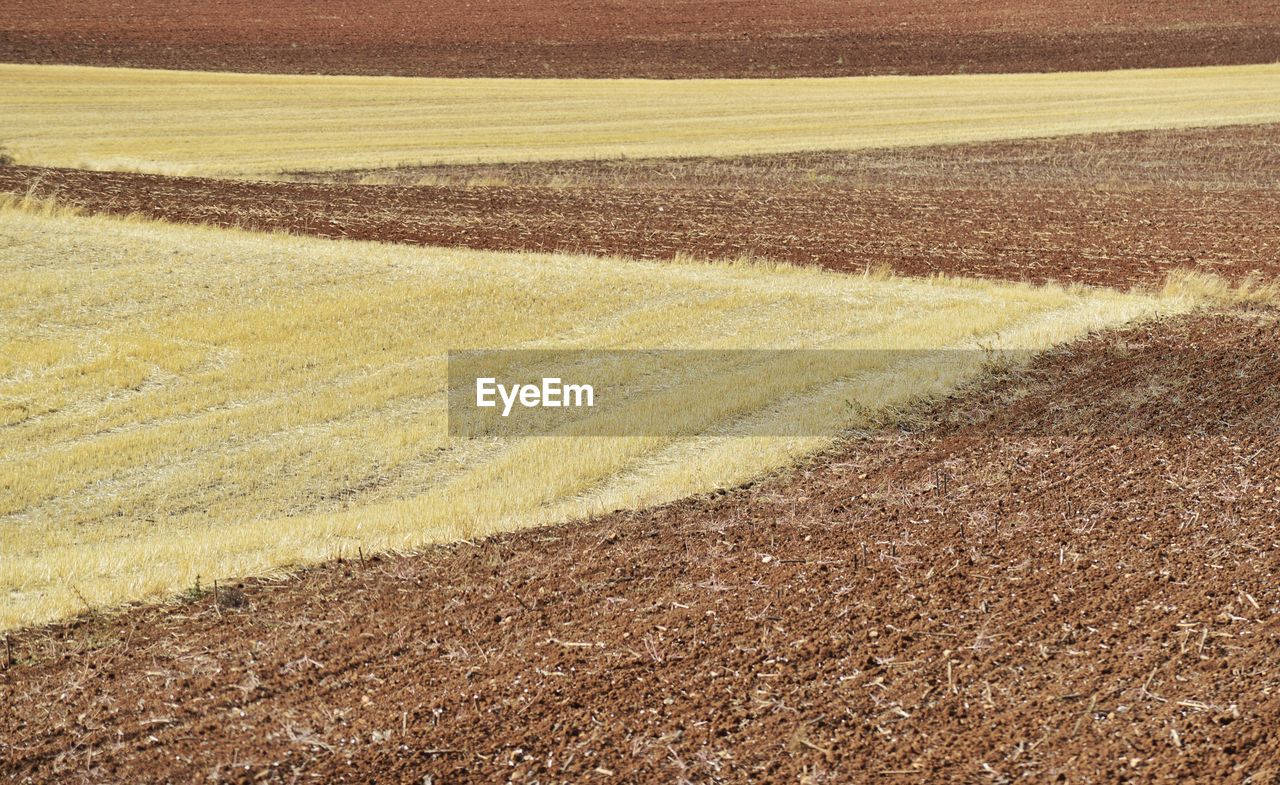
[[1113, 209], [1062, 572], [1068, 574], [668, 38], [178, 401]]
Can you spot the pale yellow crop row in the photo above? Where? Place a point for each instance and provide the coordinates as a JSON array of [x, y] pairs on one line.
[[236, 124], [179, 401]]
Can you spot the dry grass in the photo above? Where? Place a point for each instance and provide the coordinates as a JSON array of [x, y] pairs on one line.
[[234, 124], [37, 205], [1206, 288], [180, 401]]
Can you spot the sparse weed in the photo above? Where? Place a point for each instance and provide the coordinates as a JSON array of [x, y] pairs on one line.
[[1211, 288], [37, 205]]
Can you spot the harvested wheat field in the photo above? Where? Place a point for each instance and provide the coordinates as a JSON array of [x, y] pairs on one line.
[[677, 392], [170, 122], [199, 402], [1064, 573], [666, 39], [1117, 210]]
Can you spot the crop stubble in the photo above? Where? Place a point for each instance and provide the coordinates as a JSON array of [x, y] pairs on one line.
[[181, 401], [262, 125], [1070, 570], [1040, 591], [1109, 209]]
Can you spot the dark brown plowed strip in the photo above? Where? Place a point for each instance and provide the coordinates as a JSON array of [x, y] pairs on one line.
[[665, 39], [1117, 209], [1067, 576]]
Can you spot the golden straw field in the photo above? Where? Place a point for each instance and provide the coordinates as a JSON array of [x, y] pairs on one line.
[[608, 392], [180, 402], [255, 125]]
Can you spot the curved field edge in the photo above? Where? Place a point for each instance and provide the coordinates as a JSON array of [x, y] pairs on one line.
[[1119, 210], [1067, 570], [172, 122], [195, 403]]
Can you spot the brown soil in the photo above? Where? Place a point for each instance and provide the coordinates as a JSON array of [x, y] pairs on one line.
[[1067, 574], [664, 38], [1114, 209]]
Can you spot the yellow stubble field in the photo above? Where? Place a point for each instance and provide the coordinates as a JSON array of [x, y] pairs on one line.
[[224, 124], [182, 402]]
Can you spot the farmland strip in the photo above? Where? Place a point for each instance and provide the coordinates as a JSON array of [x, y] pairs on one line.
[[1063, 570], [669, 39], [1107, 209]]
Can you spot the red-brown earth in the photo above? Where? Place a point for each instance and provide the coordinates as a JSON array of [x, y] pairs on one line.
[[1067, 573], [662, 38], [1112, 209]]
